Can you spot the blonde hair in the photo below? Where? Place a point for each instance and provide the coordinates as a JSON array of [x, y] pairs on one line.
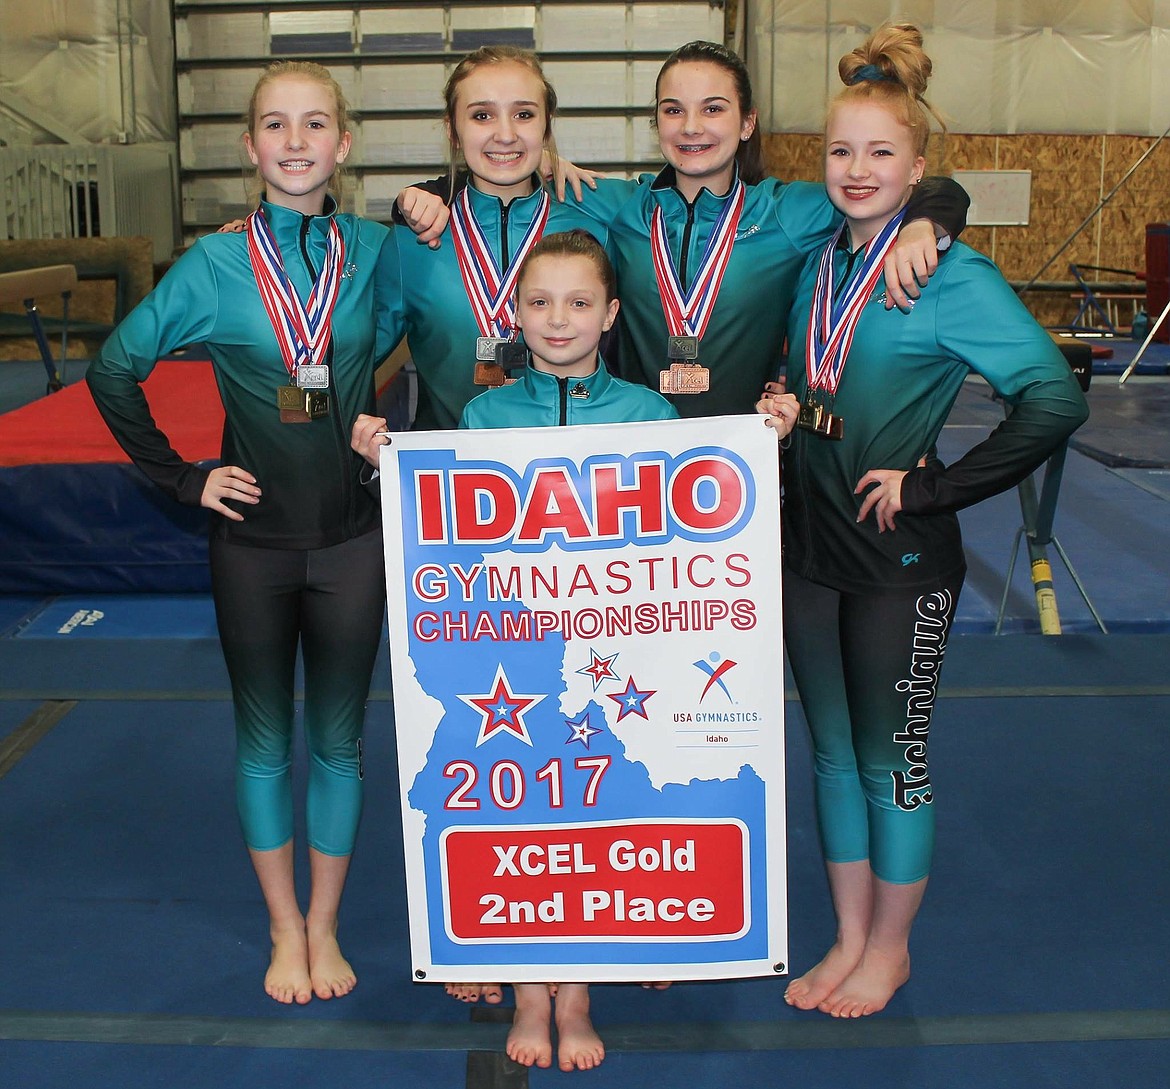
[[891, 68], [303, 70], [496, 54]]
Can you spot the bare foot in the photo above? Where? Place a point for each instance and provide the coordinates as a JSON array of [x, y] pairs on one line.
[[491, 993], [578, 1045], [330, 972], [869, 986], [529, 1042], [811, 989], [287, 979]]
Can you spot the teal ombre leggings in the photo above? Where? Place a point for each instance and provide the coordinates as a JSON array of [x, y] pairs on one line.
[[866, 667], [331, 601]]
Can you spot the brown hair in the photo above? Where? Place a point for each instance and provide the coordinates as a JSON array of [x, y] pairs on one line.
[[749, 156], [891, 68], [303, 70], [496, 54], [574, 243]]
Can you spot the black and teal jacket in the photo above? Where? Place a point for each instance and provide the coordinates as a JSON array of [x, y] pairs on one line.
[[900, 380], [309, 476]]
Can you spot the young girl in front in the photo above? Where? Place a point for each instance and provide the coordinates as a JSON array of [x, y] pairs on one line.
[[287, 311], [873, 560], [566, 297]]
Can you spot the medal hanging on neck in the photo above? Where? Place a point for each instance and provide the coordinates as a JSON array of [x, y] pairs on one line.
[[302, 332], [831, 325], [687, 314], [490, 293]]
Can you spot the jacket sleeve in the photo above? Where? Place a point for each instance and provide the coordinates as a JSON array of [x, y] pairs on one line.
[[941, 200], [389, 308], [439, 187], [180, 311], [980, 320]]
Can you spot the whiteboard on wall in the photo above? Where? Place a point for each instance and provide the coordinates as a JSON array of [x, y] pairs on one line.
[[999, 198]]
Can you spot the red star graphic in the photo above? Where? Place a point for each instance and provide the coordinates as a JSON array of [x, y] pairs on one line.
[[599, 669], [502, 710]]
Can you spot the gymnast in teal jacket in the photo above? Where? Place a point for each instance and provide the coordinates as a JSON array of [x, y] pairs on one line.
[[292, 314], [873, 561]]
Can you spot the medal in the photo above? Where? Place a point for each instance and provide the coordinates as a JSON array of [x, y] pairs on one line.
[[809, 416], [832, 324], [488, 374], [687, 313], [684, 378], [313, 376], [489, 291], [302, 332], [485, 349], [298, 405], [682, 348]]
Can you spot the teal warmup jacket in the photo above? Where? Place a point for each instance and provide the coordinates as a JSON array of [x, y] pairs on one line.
[[901, 378], [309, 476], [429, 303], [780, 225], [538, 399]]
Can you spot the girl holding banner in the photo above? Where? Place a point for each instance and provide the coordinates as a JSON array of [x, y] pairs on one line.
[[711, 220], [566, 298], [287, 311], [873, 561]]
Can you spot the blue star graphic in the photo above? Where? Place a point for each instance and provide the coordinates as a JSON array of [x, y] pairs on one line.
[[631, 701], [580, 730]]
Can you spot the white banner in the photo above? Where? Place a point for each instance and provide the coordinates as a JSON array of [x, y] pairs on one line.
[[588, 697]]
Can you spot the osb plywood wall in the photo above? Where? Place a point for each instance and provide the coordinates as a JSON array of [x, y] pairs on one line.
[[1070, 176]]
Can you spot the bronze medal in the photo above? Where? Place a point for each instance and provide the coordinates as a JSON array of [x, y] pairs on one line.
[[489, 374], [684, 378]]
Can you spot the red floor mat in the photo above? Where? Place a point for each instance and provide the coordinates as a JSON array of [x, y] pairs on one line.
[[65, 427]]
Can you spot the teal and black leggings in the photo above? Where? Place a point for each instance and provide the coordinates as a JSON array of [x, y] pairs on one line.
[[866, 667], [331, 601]]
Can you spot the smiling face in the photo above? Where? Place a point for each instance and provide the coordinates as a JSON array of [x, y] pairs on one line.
[[700, 125], [870, 166], [500, 123], [562, 308], [295, 142]]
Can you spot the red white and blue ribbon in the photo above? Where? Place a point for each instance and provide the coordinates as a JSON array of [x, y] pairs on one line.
[[687, 313], [302, 331], [489, 291], [831, 324]]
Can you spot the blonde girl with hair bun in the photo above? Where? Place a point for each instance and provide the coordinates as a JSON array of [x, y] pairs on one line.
[[873, 559]]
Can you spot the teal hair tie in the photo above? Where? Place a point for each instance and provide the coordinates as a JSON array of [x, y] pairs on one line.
[[870, 73]]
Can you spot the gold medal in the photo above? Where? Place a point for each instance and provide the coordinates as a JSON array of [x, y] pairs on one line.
[[809, 416], [684, 378]]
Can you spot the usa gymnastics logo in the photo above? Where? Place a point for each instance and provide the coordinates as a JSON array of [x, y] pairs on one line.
[[704, 494], [715, 670]]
